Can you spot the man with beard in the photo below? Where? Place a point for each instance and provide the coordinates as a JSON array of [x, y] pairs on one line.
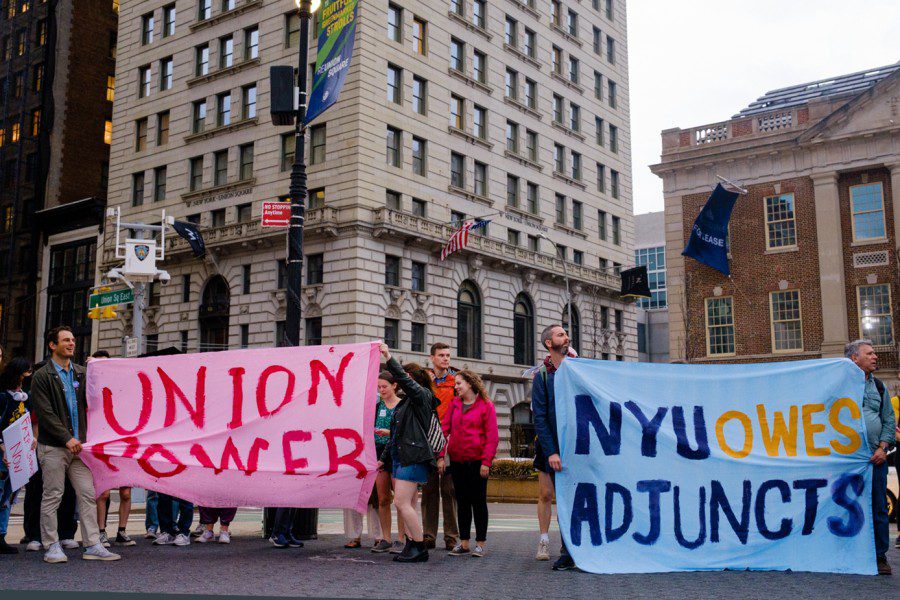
[[543, 405]]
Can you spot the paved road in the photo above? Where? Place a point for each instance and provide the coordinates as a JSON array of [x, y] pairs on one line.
[[325, 569]]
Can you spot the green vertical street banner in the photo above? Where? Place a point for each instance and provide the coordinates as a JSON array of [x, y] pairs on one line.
[[337, 30]]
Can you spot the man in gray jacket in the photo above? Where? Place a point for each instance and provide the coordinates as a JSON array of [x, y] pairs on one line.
[[58, 394]]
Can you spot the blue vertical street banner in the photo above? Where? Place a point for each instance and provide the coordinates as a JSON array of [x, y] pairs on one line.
[[337, 30], [710, 230], [711, 467]]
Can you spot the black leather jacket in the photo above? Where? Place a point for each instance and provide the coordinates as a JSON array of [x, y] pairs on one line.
[[411, 420]]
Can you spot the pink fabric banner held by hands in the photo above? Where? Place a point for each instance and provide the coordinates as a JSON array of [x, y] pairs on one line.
[[288, 427]]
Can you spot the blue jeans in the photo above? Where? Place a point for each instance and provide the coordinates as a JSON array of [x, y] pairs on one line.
[[6, 498], [151, 521], [880, 511], [166, 508], [284, 522]]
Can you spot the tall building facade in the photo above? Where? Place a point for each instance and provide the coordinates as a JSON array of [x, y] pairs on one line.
[[652, 319], [813, 244], [514, 112], [56, 92]]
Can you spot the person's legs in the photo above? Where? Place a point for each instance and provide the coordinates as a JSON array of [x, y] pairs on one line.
[[83, 482], [431, 493], [448, 505], [545, 502], [353, 524], [284, 522], [166, 514], [226, 516], [373, 524], [102, 508], [463, 502], [185, 516], [67, 523], [479, 504], [124, 507], [405, 493], [880, 511], [54, 462], [383, 487], [34, 491], [151, 520], [208, 517]]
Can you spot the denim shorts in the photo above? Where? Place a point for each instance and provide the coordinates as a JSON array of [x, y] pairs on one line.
[[416, 472]]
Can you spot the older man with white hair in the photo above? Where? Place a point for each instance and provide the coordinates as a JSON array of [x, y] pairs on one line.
[[879, 418]]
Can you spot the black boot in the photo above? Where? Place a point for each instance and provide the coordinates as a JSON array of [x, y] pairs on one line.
[[6, 548], [418, 552], [407, 548]]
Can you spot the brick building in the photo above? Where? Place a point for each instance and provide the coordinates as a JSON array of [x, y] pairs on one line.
[[56, 91], [812, 245]]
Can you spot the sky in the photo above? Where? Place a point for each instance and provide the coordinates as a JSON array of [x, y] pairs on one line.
[[701, 61]]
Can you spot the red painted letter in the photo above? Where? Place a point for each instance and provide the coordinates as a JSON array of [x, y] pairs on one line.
[[291, 464], [348, 459], [99, 450], [198, 414], [146, 406], [237, 397], [317, 370], [261, 389], [230, 453], [152, 449]]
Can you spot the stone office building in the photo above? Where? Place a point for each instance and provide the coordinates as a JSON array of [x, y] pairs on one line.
[[515, 112], [813, 244]]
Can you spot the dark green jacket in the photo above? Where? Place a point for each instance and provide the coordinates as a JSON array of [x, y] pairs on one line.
[[411, 420], [49, 401]]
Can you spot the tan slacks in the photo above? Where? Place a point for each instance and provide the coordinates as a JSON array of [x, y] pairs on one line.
[[56, 464], [438, 493]]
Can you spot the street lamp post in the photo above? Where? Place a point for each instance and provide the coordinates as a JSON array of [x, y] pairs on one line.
[[566, 276]]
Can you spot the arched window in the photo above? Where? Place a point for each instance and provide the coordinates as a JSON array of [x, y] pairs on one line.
[[573, 329], [521, 438], [523, 331], [468, 321], [214, 308]]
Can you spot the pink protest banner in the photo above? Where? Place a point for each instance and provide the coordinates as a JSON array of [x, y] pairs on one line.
[[289, 427]]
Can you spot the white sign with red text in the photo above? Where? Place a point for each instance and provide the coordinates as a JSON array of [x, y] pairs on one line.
[[18, 439]]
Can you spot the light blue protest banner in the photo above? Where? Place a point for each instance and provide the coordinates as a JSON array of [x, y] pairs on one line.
[[701, 467]]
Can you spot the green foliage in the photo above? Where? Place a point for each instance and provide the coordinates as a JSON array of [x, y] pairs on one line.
[[513, 469]]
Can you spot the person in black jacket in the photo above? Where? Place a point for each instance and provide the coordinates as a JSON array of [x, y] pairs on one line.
[[408, 450], [13, 405]]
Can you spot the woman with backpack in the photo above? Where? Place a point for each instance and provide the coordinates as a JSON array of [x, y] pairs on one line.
[[470, 425], [408, 450]]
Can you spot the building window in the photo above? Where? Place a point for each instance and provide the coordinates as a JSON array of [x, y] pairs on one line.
[[479, 66], [418, 337], [577, 215], [457, 170], [37, 78], [512, 84], [578, 257], [419, 207], [315, 269], [186, 288], [393, 149], [573, 329], [875, 315], [246, 158], [609, 9], [281, 276], [780, 223], [613, 139], [395, 23], [419, 95], [572, 23], [458, 7], [655, 261], [531, 94], [512, 191], [573, 69], [110, 87], [479, 13], [513, 237], [616, 231], [314, 331], [196, 173], [558, 105], [479, 122], [204, 10], [457, 55], [223, 109], [395, 84], [560, 209], [481, 179], [601, 178], [418, 277], [201, 54], [559, 158], [511, 32], [611, 93], [531, 145], [392, 199], [523, 331], [248, 102], [217, 217], [512, 137], [137, 189], [468, 321], [787, 324], [532, 197], [168, 20], [159, 184], [574, 117], [162, 128], [317, 137], [165, 74], [457, 112], [147, 29], [220, 161], [392, 333], [251, 43], [419, 156], [226, 52], [144, 81], [614, 183], [140, 135], [610, 50], [314, 199], [288, 147], [420, 36], [719, 326], [867, 204], [576, 166], [601, 224], [530, 45], [392, 270]]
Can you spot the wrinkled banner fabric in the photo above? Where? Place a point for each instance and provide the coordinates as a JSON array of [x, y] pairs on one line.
[[288, 427], [698, 467]]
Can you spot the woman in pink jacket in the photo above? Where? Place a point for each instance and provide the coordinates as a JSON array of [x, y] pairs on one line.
[[470, 425]]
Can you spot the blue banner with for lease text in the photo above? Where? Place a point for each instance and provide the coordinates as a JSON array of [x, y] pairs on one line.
[[707, 467]]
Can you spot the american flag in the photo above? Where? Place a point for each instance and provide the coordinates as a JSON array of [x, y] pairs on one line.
[[460, 237]]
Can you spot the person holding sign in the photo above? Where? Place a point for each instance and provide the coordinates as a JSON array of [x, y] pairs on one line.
[[470, 425], [58, 393], [879, 417], [409, 450], [13, 405], [543, 405]]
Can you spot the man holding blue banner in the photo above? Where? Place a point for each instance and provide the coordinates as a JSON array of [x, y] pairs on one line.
[[879, 416]]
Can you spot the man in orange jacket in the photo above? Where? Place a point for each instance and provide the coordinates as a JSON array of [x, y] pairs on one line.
[[438, 491]]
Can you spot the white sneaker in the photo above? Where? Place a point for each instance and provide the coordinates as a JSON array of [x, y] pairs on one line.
[[478, 551], [164, 539], [182, 540], [55, 554], [104, 539], [98, 552], [198, 530], [207, 536], [34, 546], [69, 544], [543, 551], [224, 537]]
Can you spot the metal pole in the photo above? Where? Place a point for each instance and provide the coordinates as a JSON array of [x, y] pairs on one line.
[[298, 193], [566, 275], [137, 318]]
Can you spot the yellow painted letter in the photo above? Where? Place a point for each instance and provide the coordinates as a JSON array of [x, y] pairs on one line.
[[834, 417], [810, 430], [748, 433], [781, 432]]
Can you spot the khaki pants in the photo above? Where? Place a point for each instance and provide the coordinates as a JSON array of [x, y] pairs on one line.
[[437, 493], [56, 464]]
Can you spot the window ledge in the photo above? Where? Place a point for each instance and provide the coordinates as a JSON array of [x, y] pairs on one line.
[[208, 133], [470, 81], [869, 242], [470, 195], [568, 131], [524, 108], [569, 180], [521, 159], [522, 56], [525, 8], [566, 82], [565, 34], [570, 230], [784, 250], [469, 25], [524, 213], [237, 10], [226, 72], [201, 196], [472, 139]]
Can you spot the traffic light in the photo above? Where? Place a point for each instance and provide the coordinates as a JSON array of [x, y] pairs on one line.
[[94, 313], [108, 312]]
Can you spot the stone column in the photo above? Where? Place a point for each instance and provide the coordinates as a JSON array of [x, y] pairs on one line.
[[831, 264], [895, 200]]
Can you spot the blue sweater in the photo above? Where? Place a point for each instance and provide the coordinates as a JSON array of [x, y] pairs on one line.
[[543, 407]]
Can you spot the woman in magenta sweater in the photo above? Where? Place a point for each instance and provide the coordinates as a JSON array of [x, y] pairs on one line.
[[470, 425]]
